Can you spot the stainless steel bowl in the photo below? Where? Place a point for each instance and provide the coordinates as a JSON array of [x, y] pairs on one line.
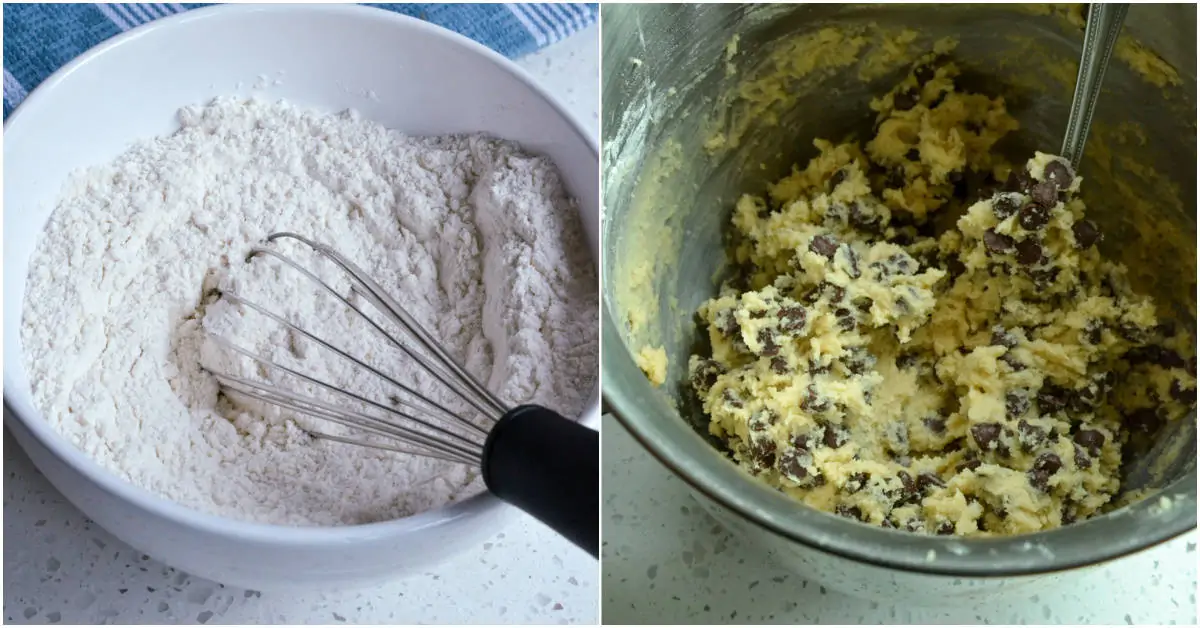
[[671, 78]]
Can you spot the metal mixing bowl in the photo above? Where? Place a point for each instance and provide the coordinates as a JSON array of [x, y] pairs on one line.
[[667, 88]]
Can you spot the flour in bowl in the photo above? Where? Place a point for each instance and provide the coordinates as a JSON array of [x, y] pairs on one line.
[[476, 238]]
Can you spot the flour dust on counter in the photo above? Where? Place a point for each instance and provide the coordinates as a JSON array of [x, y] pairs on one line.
[[475, 237]]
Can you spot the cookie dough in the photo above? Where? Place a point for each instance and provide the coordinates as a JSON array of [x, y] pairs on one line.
[[923, 337], [653, 362]]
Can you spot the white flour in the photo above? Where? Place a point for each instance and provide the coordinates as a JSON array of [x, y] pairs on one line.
[[475, 238]]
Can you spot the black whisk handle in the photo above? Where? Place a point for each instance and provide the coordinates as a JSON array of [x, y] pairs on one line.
[[548, 466]]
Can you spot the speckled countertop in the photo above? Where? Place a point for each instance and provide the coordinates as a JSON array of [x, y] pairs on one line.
[[60, 568], [665, 561]]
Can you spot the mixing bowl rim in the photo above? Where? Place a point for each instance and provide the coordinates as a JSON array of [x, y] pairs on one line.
[[932, 555], [19, 406]]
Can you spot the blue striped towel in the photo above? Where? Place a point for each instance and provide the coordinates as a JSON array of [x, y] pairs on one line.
[[40, 38]]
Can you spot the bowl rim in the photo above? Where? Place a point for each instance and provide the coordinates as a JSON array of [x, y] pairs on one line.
[[280, 535]]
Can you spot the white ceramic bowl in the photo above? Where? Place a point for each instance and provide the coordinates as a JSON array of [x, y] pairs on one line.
[[401, 72]]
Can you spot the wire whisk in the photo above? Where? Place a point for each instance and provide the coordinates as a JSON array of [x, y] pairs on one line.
[[529, 456]]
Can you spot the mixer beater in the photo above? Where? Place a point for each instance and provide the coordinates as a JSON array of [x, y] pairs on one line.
[[529, 456]]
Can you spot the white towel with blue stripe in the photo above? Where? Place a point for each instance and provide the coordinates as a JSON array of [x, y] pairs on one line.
[[41, 38]]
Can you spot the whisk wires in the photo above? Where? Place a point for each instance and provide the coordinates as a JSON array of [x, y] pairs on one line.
[[412, 426]]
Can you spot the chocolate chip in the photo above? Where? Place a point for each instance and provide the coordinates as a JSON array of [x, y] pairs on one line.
[[945, 528], [1004, 206], [1044, 466], [1059, 173], [727, 323], [905, 100], [997, 242], [1082, 460], [968, 465], [927, 480], [1091, 440], [1044, 194], [852, 264], [1186, 396], [903, 264], [1086, 234], [779, 364], [1044, 277], [1094, 332], [1068, 510], [1004, 338], [705, 374], [986, 435], [887, 523], [849, 512], [766, 338], [792, 318], [837, 177], [731, 399], [862, 304], [1018, 181], [936, 424], [816, 368], [895, 440], [906, 360], [913, 155], [835, 436], [924, 73], [1031, 436], [1034, 217], [861, 219], [845, 319], [763, 452], [813, 401], [956, 444], [792, 464], [823, 245], [908, 492], [859, 360], [1012, 362], [762, 420], [1144, 420], [1053, 399], [1132, 333], [1028, 252], [835, 292], [857, 481], [1016, 403]]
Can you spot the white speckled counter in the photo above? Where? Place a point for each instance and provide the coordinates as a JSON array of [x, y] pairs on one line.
[[665, 561], [59, 568]]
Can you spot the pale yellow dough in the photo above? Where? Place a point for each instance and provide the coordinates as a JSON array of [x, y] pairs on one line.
[[978, 378], [653, 362]]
